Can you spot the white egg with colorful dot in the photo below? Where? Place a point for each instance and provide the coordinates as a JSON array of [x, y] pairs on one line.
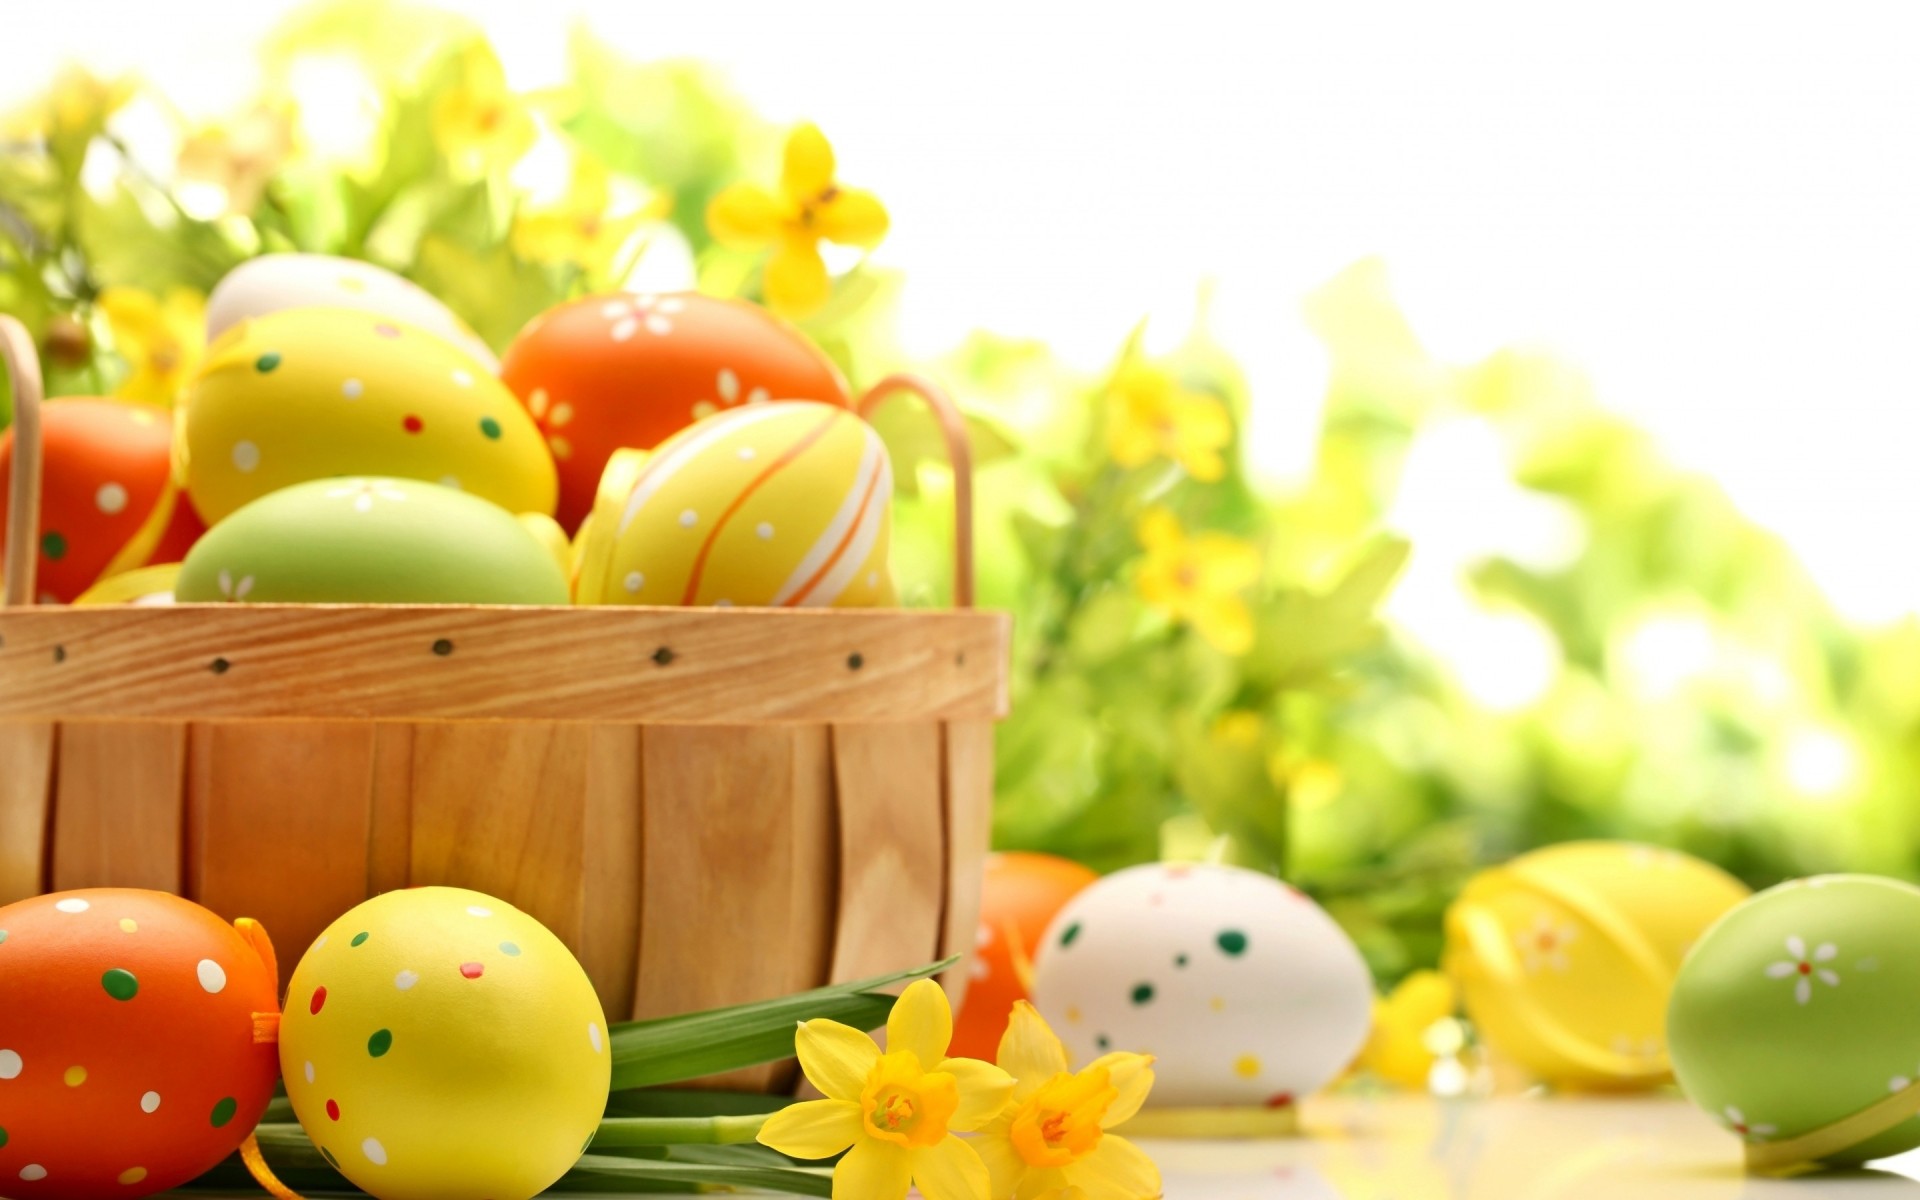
[[1246, 992], [440, 1044], [276, 282]]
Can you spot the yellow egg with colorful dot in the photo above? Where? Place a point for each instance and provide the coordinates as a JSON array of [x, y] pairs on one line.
[[317, 392], [785, 504], [440, 1044]]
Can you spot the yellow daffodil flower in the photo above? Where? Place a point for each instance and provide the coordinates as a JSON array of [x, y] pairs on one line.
[[478, 122], [1397, 1050], [808, 208], [898, 1110], [225, 168], [77, 107], [1151, 416], [1052, 1142], [580, 229], [1199, 579], [161, 340]]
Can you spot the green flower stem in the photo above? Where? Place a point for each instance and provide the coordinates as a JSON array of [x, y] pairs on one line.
[[617, 1132]]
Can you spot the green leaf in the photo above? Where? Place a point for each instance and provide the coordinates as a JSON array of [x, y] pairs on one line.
[[673, 1049], [670, 1102], [704, 1177], [1301, 637], [913, 437]]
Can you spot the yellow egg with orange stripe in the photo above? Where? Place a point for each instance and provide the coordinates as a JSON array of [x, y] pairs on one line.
[[784, 504]]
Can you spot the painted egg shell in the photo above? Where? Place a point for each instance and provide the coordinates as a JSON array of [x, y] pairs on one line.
[[147, 586], [1796, 1011], [106, 494], [440, 1044], [1565, 957], [778, 505], [1246, 991], [371, 541], [276, 282], [317, 392], [128, 1063], [624, 370], [1019, 898]]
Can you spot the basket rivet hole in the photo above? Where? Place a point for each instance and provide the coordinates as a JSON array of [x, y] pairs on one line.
[[663, 656], [219, 666], [443, 647], [59, 654], [856, 660], [960, 659]]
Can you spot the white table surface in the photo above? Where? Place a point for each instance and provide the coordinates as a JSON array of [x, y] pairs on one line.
[[1520, 1148]]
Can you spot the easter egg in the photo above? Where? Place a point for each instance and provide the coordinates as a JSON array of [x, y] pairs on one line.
[[440, 1044], [128, 1057], [621, 370], [276, 282], [107, 500], [777, 505], [1019, 897], [371, 541], [317, 392], [1792, 1021], [1565, 957], [145, 586], [1246, 991]]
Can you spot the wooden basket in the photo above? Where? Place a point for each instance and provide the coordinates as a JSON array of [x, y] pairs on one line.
[[707, 806]]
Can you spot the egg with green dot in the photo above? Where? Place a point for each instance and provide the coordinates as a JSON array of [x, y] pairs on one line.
[[1791, 1022], [458, 1049], [311, 393], [372, 541], [1248, 994]]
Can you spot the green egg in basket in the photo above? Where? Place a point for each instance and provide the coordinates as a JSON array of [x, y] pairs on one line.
[[1795, 1022]]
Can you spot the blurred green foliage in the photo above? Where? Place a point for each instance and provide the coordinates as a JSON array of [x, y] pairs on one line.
[[1198, 664]]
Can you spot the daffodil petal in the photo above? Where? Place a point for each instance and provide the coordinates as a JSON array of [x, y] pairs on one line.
[[746, 216], [1159, 529], [1227, 564], [807, 168], [1132, 1076], [1117, 1168], [984, 1092], [922, 1022], [1049, 1184], [851, 217], [1203, 464], [1224, 621], [814, 1129], [950, 1171], [1029, 1051], [873, 1170], [797, 278], [836, 1058], [995, 1148]]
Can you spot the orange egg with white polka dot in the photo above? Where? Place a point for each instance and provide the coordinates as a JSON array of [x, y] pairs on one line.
[[132, 1056], [108, 503], [628, 371], [1019, 898]]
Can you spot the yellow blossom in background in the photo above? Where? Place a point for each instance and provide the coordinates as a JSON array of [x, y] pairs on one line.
[[161, 340], [1052, 1141], [1397, 1050], [809, 208], [1199, 579], [478, 122], [1151, 416], [225, 168], [897, 1111], [77, 107], [581, 228]]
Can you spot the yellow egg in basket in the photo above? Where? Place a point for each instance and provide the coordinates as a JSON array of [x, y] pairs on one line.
[[785, 504], [1566, 956]]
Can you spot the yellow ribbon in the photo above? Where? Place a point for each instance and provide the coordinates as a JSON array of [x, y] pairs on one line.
[[1797, 1152]]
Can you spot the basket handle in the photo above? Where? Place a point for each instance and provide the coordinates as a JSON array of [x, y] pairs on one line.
[[953, 427], [23, 501]]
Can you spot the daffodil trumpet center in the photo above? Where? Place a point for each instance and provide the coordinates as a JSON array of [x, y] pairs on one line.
[[904, 1104], [1060, 1124]]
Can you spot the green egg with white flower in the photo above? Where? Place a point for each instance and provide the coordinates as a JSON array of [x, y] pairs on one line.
[[371, 541], [1792, 1021]]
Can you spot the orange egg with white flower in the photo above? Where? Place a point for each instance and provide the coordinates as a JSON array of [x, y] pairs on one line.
[[777, 505], [619, 370]]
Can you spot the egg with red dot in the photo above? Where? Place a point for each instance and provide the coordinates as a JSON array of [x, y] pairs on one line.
[[412, 424], [445, 1001], [128, 1059]]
